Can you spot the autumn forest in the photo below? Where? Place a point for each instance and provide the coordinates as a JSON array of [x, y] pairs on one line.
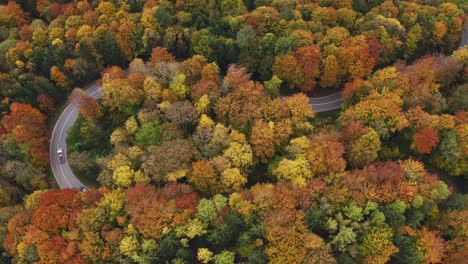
[[200, 134]]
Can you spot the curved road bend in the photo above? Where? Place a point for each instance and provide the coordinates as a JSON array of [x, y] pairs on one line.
[[62, 172], [64, 175], [326, 103], [333, 101]]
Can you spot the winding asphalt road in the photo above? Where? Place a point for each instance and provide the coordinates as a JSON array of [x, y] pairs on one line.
[[63, 173]]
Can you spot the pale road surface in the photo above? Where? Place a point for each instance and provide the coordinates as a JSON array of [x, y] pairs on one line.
[[64, 175], [464, 40]]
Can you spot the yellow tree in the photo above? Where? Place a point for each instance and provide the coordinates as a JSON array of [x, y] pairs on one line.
[[240, 155], [123, 176], [263, 140], [296, 171], [178, 87], [232, 180], [288, 69], [118, 94], [152, 90], [364, 149], [301, 111], [331, 71]]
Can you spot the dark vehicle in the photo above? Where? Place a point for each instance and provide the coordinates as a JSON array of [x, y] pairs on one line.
[[83, 189], [61, 155]]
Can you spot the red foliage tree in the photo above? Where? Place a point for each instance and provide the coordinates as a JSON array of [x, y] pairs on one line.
[[115, 72], [59, 77], [241, 107], [154, 210], [309, 60], [203, 87], [425, 139], [28, 126], [136, 79], [46, 103], [356, 58], [379, 182], [160, 55], [188, 201], [54, 210], [236, 76], [352, 130], [12, 14], [25, 33], [89, 107]]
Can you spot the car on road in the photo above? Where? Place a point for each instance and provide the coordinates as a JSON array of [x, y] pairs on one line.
[[61, 155], [83, 189]]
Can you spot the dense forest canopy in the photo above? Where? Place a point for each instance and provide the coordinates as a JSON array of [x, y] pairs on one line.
[[204, 147]]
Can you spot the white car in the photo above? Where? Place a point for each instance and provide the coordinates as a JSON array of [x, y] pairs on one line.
[[61, 155]]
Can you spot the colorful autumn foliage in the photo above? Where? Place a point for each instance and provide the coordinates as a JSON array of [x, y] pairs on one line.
[[204, 157], [425, 140], [27, 125]]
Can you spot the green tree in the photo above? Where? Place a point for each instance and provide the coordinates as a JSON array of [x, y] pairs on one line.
[[447, 154], [202, 44], [408, 251], [106, 45], [353, 212], [233, 7], [206, 210], [265, 55], [226, 232], [86, 135], [458, 100], [225, 257], [83, 163], [30, 254], [149, 134], [246, 37], [412, 39], [345, 236], [178, 87], [314, 218], [272, 87], [163, 17]]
